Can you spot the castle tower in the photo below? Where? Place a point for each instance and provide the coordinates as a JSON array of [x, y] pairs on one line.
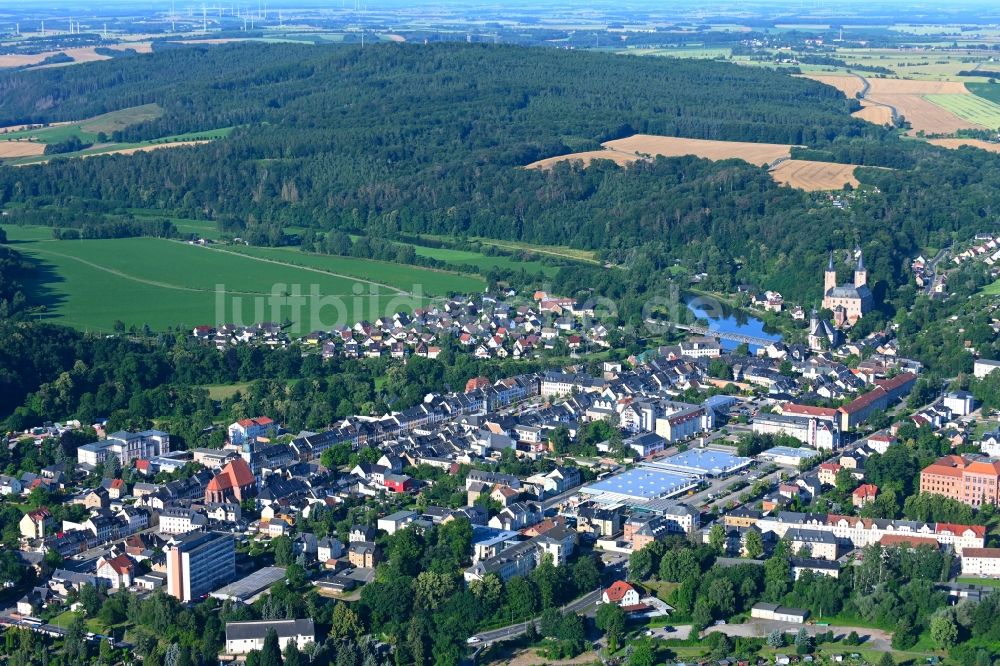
[[829, 277], [860, 272]]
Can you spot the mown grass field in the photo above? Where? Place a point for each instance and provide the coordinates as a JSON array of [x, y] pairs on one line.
[[88, 130], [175, 141], [972, 108], [91, 284], [399, 276], [587, 256], [482, 261], [992, 289], [988, 91]]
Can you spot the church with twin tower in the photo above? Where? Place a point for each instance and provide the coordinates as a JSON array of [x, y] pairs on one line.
[[850, 301]]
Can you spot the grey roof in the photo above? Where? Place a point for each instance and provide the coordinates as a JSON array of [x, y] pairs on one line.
[[236, 631]]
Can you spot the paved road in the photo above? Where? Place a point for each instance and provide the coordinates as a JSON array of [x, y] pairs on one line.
[[932, 268], [584, 604]]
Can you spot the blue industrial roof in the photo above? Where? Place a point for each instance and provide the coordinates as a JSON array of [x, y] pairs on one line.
[[790, 452], [642, 482], [705, 461]]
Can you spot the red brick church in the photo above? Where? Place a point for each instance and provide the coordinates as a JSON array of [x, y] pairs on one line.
[[234, 483]]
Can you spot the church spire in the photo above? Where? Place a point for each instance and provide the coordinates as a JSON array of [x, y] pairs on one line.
[[861, 258], [829, 265]]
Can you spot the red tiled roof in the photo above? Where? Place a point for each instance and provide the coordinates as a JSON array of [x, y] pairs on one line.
[[236, 474], [863, 401], [981, 552], [954, 528], [121, 564], [260, 421], [896, 382], [617, 591], [907, 540], [866, 490], [807, 410]]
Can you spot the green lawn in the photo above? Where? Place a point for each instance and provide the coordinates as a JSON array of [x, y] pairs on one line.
[[223, 391], [90, 284], [988, 582], [17, 233], [992, 289]]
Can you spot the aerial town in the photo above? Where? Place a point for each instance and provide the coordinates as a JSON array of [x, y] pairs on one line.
[[589, 469], [566, 333]]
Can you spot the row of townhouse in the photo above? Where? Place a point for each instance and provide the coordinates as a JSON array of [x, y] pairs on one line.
[[861, 532]]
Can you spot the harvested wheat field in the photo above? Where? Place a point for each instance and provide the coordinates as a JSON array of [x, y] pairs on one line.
[[814, 176], [907, 97], [668, 146], [914, 87], [23, 60], [21, 148], [848, 84], [958, 143], [874, 113], [618, 157], [138, 47]]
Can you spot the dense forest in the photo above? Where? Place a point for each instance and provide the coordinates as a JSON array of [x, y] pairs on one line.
[[406, 139]]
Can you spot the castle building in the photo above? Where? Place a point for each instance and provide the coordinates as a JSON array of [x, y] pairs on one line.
[[849, 302]]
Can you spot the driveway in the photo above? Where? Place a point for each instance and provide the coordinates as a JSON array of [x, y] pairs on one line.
[[757, 628]]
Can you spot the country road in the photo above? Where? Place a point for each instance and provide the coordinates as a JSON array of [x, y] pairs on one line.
[[584, 603]]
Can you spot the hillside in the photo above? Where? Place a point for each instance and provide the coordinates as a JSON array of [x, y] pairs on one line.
[[430, 139]]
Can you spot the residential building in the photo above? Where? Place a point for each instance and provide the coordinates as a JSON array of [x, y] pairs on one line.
[[126, 446], [972, 482], [118, 571], [243, 637], [180, 520], [198, 563], [818, 544], [36, 524], [864, 494], [863, 532], [396, 521], [620, 594], [961, 403], [246, 431], [982, 367], [363, 554], [984, 562]]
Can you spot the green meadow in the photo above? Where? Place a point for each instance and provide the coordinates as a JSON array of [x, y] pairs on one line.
[[92, 284]]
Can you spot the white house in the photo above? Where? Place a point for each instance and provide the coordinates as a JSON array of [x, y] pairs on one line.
[[961, 403], [983, 562], [621, 594], [983, 367], [243, 637]]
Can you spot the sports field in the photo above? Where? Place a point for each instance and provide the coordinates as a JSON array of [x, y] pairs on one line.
[[91, 284], [972, 108]]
